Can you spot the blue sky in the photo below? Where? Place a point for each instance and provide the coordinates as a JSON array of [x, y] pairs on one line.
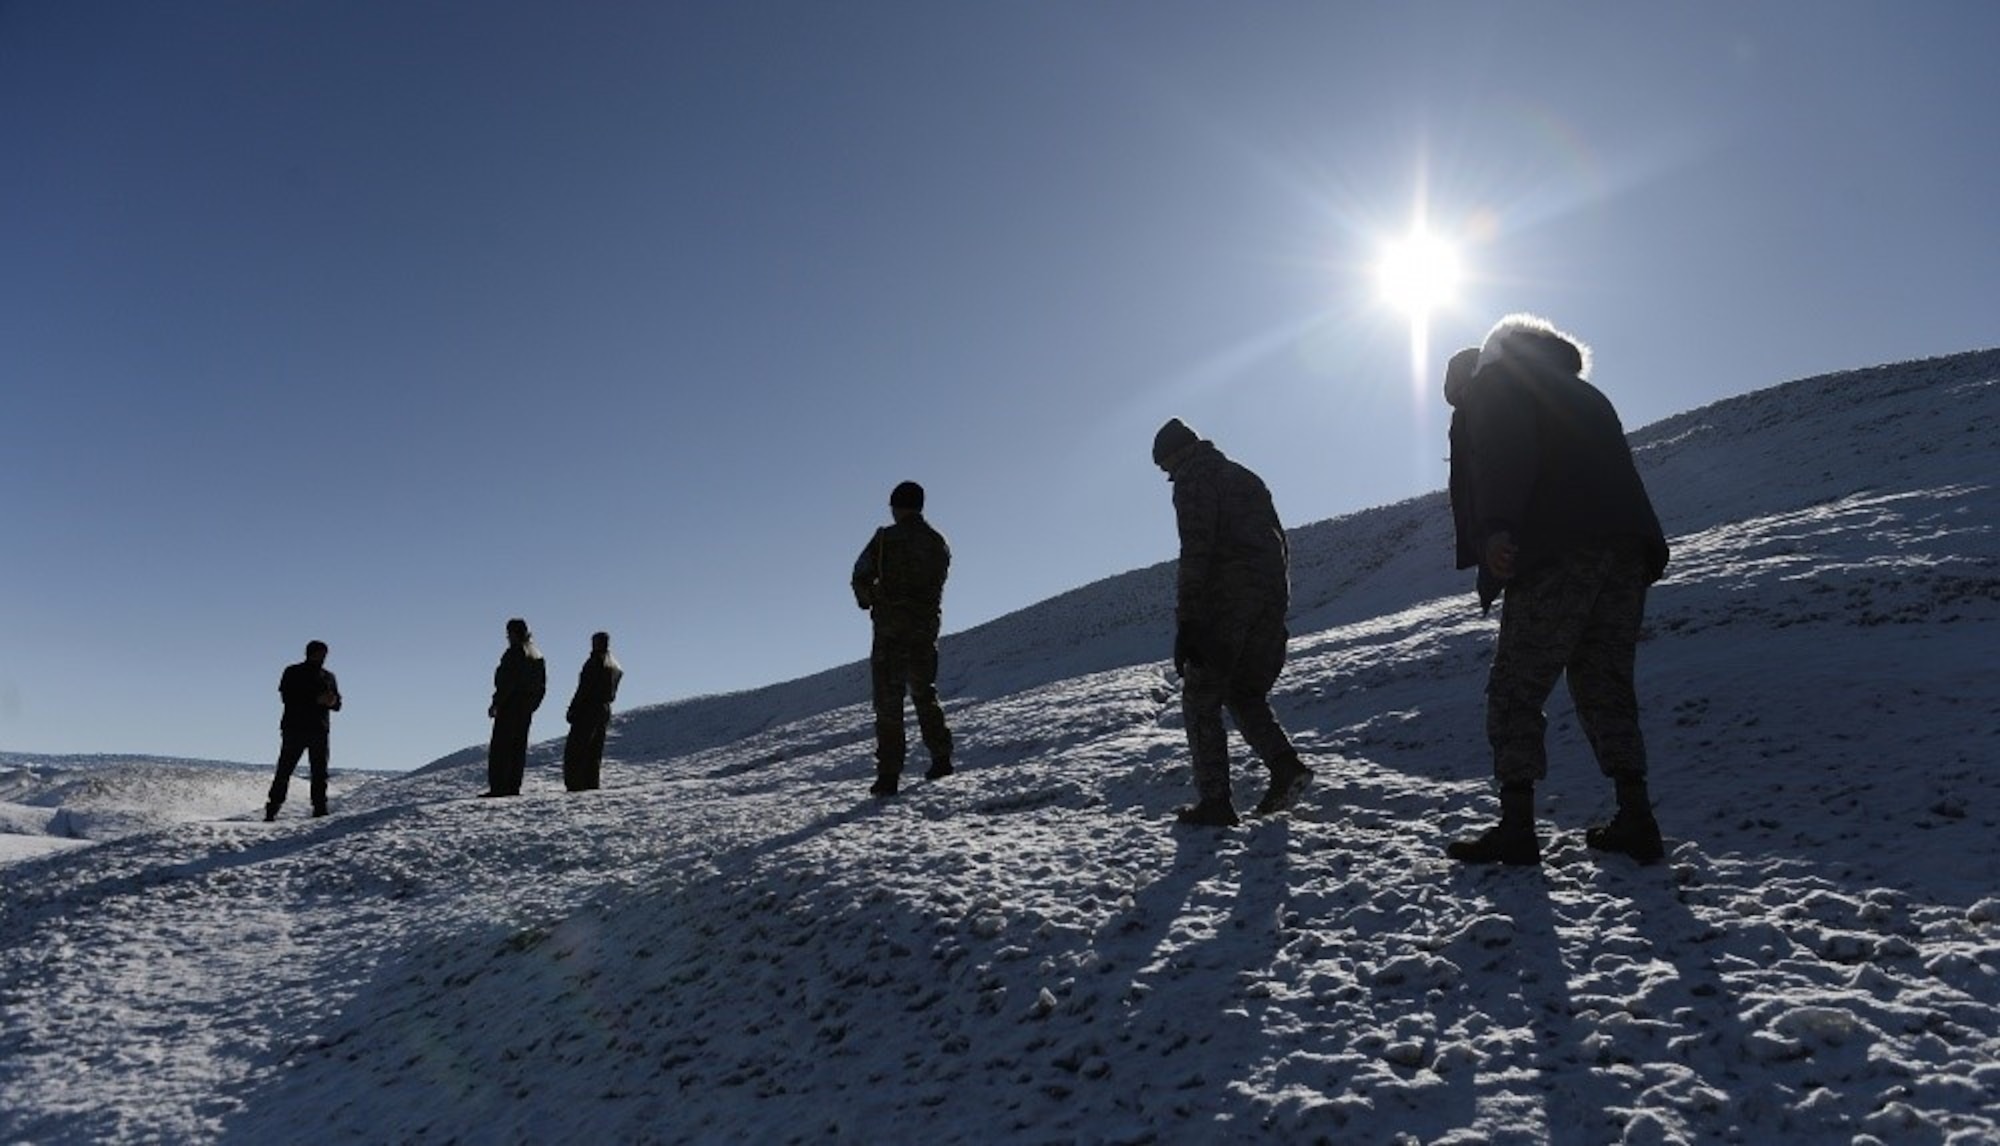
[[380, 322]]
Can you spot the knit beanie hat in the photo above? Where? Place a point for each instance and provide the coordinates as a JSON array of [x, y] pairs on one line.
[[1173, 437], [908, 495]]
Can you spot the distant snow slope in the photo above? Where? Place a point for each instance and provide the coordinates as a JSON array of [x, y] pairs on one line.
[[732, 943], [53, 803]]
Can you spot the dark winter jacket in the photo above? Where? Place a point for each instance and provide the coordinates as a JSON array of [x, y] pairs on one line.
[[520, 680], [1538, 453], [1235, 561], [301, 685], [596, 688], [899, 578]]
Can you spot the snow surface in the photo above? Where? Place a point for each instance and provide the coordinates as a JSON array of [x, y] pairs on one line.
[[732, 943]]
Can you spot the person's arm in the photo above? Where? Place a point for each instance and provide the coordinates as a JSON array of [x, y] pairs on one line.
[[867, 569], [1504, 452], [1198, 517]]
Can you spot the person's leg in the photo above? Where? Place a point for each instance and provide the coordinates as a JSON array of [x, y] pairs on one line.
[[1248, 697], [1203, 692], [1601, 681], [518, 763], [289, 752], [1540, 622], [923, 662], [1601, 673], [496, 757], [509, 754], [593, 754], [889, 678], [575, 745], [1257, 670], [320, 755]]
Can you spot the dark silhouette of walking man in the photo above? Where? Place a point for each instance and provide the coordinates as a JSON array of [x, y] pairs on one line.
[[899, 579], [1232, 591]]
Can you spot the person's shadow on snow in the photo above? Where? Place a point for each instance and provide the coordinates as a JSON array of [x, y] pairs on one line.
[[1184, 956]]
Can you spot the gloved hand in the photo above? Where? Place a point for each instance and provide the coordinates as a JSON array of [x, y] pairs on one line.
[[1501, 553], [1187, 652]]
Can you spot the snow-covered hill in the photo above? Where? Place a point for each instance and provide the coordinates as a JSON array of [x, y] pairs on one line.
[[731, 942]]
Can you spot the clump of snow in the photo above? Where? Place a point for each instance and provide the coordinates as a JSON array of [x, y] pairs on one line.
[[732, 942]]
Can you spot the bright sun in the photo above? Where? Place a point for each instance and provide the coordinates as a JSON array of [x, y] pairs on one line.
[[1418, 274]]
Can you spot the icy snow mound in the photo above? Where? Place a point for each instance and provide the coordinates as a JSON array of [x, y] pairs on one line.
[[51, 802]]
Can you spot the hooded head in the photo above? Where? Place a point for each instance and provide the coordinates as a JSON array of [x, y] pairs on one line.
[[1532, 343], [1173, 440], [517, 630]]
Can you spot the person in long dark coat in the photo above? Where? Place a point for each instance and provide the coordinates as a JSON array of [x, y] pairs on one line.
[[311, 696], [590, 715], [519, 684]]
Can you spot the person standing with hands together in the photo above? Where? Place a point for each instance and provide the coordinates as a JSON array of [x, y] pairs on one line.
[[310, 696]]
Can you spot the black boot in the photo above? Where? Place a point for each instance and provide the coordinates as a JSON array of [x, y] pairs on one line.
[[1633, 831], [1289, 778], [270, 812], [939, 769], [885, 783], [1211, 812], [1512, 840]]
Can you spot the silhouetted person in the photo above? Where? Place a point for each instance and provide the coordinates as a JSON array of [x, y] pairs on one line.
[[1546, 501], [899, 579], [1234, 585], [518, 686], [590, 715], [311, 697]]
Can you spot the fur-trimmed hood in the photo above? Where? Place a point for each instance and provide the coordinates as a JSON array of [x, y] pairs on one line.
[[1531, 342]]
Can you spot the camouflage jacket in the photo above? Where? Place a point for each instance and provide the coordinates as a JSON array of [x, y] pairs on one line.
[[899, 577], [1235, 562]]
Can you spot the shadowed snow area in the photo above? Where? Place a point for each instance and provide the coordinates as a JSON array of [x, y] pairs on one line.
[[732, 943]]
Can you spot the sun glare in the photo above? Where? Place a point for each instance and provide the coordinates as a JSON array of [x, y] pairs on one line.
[[1418, 274]]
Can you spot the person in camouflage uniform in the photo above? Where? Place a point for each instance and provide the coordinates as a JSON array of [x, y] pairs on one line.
[[519, 683], [899, 581], [589, 715], [1548, 504], [1233, 587]]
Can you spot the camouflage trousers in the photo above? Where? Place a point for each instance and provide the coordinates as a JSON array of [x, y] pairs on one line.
[[1242, 684], [898, 664], [1580, 618]]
